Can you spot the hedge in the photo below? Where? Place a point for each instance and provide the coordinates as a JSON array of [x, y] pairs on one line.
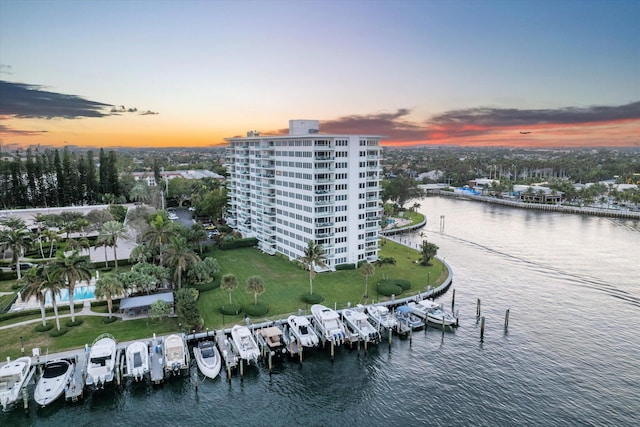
[[72, 324], [312, 298], [57, 333], [239, 243], [107, 320], [49, 310], [231, 309], [389, 289], [345, 267], [214, 284], [255, 310], [44, 328]]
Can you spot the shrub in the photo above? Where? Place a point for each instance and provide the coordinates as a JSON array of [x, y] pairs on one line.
[[214, 284], [44, 328], [72, 324], [255, 310], [106, 320], [312, 298], [57, 333], [345, 267], [17, 286], [239, 243], [404, 284], [387, 288], [231, 309]]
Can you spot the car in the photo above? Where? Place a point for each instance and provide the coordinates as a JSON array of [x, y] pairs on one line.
[[213, 233], [209, 227], [23, 266], [173, 216], [192, 209]]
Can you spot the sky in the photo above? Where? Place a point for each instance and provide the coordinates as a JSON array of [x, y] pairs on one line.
[[526, 73]]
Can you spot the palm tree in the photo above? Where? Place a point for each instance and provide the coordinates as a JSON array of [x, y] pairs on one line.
[[139, 192], [18, 240], [367, 270], [114, 230], [141, 254], [180, 256], [381, 262], [53, 285], [196, 235], [71, 268], [429, 250], [52, 237], [34, 281], [159, 233], [108, 286], [255, 285], [314, 255], [104, 241], [78, 244], [229, 283]]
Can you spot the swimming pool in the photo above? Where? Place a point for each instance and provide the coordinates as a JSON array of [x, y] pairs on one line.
[[80, 293]]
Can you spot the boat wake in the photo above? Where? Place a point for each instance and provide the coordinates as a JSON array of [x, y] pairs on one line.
[[573, 279]]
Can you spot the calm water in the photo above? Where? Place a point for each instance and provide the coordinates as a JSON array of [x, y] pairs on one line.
[[571, 355]]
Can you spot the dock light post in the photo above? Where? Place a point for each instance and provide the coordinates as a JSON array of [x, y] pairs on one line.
[[428, 279], [21, 345]]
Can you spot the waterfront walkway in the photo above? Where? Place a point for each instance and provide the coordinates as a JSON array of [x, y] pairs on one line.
[[86, 311]]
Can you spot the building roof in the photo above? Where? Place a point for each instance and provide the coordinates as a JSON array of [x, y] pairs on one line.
[[145, 301]]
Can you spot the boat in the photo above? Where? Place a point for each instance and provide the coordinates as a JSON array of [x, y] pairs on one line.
[[208, 358], [137, 359], [272, 338], [245, 344], [381, 316], [407, 318], [329, 324], [102, 361], [55, 378], [300, 329], [13, 377], [175, 354], [432, 312], [358, 322]]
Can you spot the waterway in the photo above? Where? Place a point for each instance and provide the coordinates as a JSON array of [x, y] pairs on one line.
[[570, 357]]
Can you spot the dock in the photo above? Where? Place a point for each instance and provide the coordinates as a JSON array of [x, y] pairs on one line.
[[75, 390], [227, 352], [156, 360]]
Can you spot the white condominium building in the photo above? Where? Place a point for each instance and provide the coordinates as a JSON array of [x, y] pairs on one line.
[[285, 190]]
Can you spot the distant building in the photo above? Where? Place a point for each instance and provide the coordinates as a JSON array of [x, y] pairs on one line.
[[538, 194], [288, 189], [150, 179]]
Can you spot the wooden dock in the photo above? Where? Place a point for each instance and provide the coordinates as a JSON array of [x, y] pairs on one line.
[[75, 390], [156, 360], [227, 352]]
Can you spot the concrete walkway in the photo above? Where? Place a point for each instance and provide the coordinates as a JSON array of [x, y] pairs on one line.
[[86, 311]]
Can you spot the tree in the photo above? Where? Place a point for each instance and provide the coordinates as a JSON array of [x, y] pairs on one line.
[[180, 256], [428, 251], [17, 239], [141, 254], [159, 309], [255, 285], [34, 286], [401, 190], [203, 271], [314, 255], [367, 270], [114, 230], [229, 283], [140, 192], [388, 261], [187, 308], [158, 235], [108, 286], [54, 285], [71, 269]]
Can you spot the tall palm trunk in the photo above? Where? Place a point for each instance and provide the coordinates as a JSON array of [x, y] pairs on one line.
[[72, 286], [42, 312], [115, 256], [55, 311]]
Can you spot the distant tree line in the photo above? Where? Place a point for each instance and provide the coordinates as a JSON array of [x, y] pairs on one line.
[[54, 178]]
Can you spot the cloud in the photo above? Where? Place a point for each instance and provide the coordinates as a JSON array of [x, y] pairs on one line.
[[31, 101], [7, 131], [5, 69], [148, 113]]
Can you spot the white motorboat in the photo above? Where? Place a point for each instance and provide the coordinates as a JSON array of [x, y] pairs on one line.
[[102, 361], [175, 354], [358, 323], [381, 316], [432, 312], [208, 358], [244, 343], [329, 324], [301, 330], [13, 376], [55, 378], [137, 359]]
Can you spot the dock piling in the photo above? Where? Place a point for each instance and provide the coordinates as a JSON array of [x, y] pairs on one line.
[[482, 329], [453, 299], [478, 309], [506, 320]]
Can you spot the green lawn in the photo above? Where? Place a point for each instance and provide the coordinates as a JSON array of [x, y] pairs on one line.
[[285, 284], [78, 336]]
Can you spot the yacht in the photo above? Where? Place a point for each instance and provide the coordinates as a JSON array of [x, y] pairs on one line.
[[175, 355], [381, 317], [358, 323], [407, 319], [208, 358], [432, 312], [55, 378], [13, 376], [137, 355], [329, 324], [245, 344], [300, 329], [273, 339], [102, 361]]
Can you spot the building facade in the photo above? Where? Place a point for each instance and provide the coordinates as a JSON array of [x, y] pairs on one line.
[[285, 190]]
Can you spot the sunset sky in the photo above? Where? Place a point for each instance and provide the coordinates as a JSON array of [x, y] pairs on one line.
[[190, 73]]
